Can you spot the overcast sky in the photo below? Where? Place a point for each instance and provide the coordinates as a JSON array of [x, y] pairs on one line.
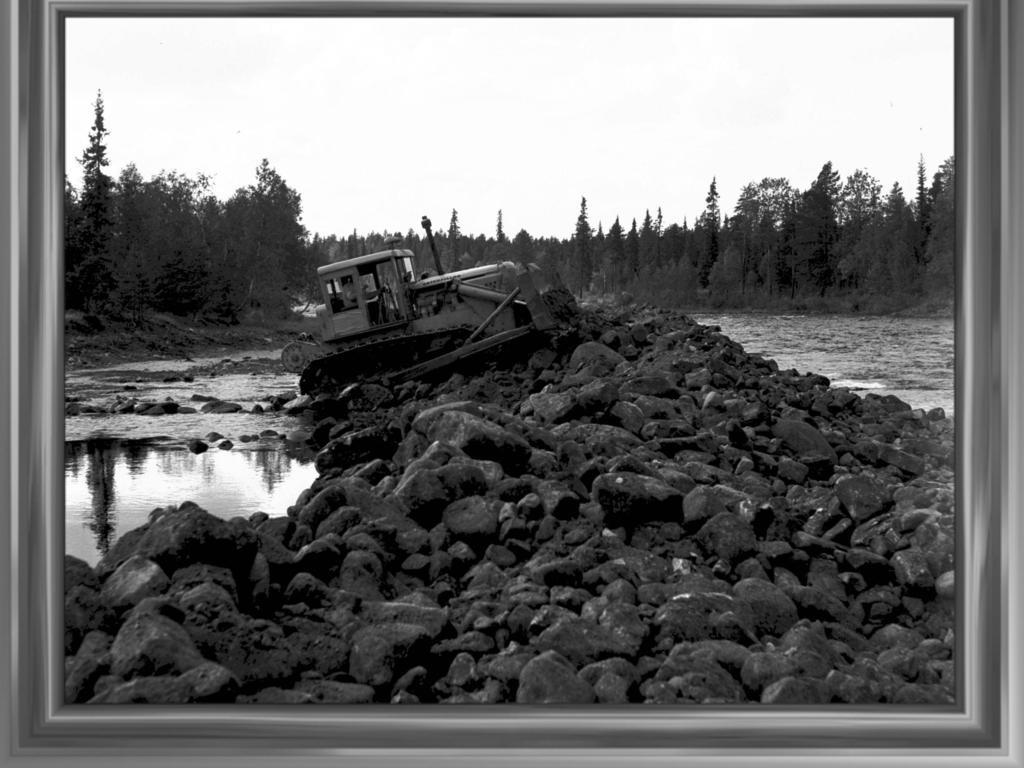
[[376, 122]]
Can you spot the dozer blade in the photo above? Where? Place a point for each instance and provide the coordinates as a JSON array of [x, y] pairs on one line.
[[551, 304], [532, 286]]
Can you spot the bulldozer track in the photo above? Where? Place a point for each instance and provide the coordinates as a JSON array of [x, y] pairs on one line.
[[374, 359]]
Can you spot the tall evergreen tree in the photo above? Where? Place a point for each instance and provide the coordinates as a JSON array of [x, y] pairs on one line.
[[710, 226], [615, 246], [648, 243], [941, 246], [659, 256], [453, 240], [633, 252], [500, 235], [89, 278], [583, 248], [818, 230], [922, 212]]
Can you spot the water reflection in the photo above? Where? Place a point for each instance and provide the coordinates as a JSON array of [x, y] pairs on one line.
[[112, 485], [135, 456], [99, 475]]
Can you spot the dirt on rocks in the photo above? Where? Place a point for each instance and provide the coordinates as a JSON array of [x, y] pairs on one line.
[[639, 512]]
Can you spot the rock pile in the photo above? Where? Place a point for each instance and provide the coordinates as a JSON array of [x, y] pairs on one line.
[[645, 513]]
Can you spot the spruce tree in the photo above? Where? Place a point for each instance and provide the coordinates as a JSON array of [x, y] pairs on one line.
[[583, 248], [91, 277], [922, 212], [453, 240], [633, 253], [648, 243], [615, 244], [710, 224], [500, 235]]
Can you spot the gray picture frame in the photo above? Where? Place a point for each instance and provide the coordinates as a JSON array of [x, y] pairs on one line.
[[37, 728]]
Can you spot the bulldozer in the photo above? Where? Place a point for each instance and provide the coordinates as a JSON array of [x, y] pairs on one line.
[[379, 319]]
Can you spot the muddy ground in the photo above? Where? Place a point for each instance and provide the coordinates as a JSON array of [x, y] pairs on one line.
[[93, 342]]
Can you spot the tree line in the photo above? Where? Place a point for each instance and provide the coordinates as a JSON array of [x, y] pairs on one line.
[[136, 246]]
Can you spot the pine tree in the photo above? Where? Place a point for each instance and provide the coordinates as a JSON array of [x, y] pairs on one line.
[[633, 253], [583, 248], [941, 246], [710, 225], [659, 257], [91, 276], [615, 246], [648, 243], [453, 240], [500, 235], [922, 212]]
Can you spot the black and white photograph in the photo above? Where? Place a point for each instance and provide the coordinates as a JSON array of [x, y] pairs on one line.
[[655, 405], [516, 378]]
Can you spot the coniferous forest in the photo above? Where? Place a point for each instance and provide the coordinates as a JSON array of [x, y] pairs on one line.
[[135, 247]]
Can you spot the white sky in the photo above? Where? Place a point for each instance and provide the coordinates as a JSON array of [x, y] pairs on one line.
[[376, 122]]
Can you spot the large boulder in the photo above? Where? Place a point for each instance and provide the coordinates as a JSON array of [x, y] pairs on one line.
[[803, 440], [551, 679], [150, 643], [135, 579], [381, 652], [862, 497], [482, 439], [190, 534]]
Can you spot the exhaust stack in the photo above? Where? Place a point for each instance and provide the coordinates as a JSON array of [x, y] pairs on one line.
[[425, 223]]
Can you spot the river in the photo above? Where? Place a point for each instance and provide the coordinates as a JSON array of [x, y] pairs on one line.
[[910, 357], [117, 469]]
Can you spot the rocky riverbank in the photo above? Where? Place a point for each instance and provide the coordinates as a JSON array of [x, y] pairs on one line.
[[641, 513]]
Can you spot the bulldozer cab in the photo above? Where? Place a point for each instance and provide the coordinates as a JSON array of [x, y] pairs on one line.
[[365, 293]]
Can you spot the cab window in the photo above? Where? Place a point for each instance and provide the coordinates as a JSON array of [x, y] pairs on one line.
[[341, 293]]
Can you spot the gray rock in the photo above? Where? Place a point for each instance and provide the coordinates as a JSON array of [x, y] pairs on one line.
[[796, 690], [83, 670], [482, 439], [83, 612], [473, 519], [77, 571], [552, 407], [727, 536], [910, 568], [135, 579], [362, 574], [190, 534], [550, 678], [803, 439], [582, 642], [700, 505], [629, 499], [150, 644], [590, 352], [862, 497], [772, 611], [379, 652]]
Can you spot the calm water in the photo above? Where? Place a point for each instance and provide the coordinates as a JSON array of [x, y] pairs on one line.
[[111, 486], [118, 469]]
